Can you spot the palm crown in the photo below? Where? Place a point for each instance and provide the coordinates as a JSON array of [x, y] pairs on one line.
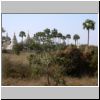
[[89, 24]]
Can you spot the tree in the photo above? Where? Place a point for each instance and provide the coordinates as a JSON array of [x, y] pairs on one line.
[[76, 37], [3, 30], [68, 36], [40, 37], [64, 38], [47, 31], [59, 35], [22, 34], [54, 34], [47, 35], [89, 24]]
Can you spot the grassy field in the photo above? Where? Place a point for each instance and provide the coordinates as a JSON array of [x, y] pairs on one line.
[[41, 81], [86, 81]]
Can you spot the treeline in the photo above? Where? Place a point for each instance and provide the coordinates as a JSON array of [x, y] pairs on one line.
[[43, 41]]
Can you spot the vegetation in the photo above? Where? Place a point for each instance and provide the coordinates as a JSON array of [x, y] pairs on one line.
[[76, 37], [22, 34], [89, 24], [47, 55]]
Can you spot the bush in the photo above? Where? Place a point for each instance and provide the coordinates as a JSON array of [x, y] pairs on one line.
[[71, 59], [36, 65], [16, 49], [78, 63], [4, 51], [45, 65]]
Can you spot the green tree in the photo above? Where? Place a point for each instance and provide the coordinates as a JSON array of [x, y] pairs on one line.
[[76, 37], [54, 33], [39, 36], [64, 38], [59, 35], [22, 34], [47, 35], [89, 24], [68, 36], [47, 31]]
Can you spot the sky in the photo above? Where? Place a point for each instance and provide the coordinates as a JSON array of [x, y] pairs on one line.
[[64, 23]]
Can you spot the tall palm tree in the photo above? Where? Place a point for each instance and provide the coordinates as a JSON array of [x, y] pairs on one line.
[[68, 36], [76, 37], [89, 24], [22, 34]]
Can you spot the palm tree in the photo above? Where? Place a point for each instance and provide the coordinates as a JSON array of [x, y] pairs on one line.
[[76, 37], [64, 38], [59, 35], [68, 36], [22, 34], [89, 24]]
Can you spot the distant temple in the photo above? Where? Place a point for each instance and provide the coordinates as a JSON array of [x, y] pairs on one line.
[[7, 43]]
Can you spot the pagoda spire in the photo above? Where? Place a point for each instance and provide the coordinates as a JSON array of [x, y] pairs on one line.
[[14, 39], [28, 36]]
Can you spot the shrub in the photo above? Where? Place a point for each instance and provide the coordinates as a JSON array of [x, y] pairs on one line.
[[75, 62], [36, 65], [45, 64], [16, 49], [4, 51]]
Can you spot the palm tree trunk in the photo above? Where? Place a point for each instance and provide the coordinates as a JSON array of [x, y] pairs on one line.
[[88, 37], [22, 40], [75, 42], [68, 41], [22, 43]]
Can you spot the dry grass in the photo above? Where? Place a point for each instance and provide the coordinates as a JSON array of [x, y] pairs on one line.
[[86, 81], [70, 81], [21, 58]]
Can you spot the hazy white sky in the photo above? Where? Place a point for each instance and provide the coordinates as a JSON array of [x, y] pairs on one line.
[[65, 23]]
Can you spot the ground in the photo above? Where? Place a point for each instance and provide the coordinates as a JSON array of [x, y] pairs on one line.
[[86, 81]]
